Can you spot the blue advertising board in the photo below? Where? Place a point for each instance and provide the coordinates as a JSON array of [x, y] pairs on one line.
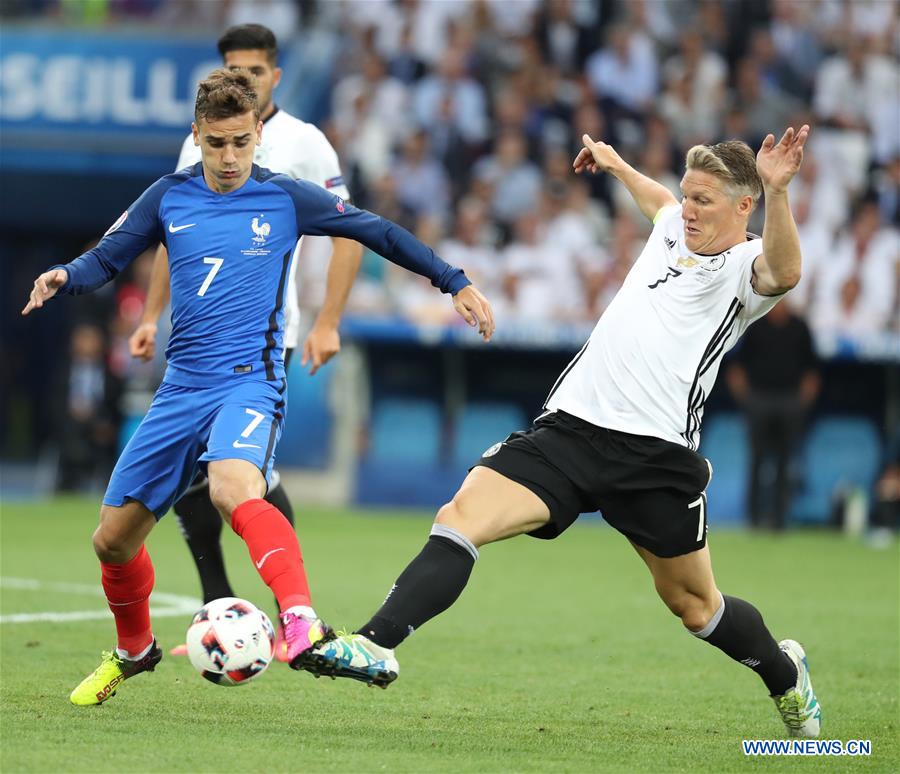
[[73, 100]]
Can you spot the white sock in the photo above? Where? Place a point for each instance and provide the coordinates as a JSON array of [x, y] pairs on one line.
[[303, 611], [124, 653]]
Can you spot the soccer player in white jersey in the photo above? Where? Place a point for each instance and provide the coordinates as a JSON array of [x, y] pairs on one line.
[[621, 425], [292, 147]]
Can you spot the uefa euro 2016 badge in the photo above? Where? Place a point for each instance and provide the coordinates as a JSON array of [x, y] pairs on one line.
[[492, 450]]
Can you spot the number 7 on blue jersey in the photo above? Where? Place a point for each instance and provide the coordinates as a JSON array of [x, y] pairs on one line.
[[216, 265]]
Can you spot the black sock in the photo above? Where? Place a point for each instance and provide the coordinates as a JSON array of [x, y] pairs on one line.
[[429, 585], [201, 526], [278, 497], [741, 633]]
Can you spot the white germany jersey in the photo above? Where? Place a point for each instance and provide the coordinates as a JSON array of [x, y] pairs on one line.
[[292, 147], [653, 356]]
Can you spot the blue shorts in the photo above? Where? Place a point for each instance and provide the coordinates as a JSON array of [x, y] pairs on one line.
[[187, 427]]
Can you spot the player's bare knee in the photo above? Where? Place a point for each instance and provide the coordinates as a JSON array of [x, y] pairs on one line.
[[451, 515], [456, 514], [224, 496], [695, 611], [111, 544]]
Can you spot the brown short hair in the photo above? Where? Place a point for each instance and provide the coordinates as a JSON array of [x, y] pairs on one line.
[[733, 162], [225, 94]]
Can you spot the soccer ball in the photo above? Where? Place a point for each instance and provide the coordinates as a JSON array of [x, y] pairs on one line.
[[230, 641]]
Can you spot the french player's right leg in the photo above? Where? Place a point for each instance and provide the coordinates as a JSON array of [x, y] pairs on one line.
[[127, 577], [201, 526], [154, 468], [488, 507]]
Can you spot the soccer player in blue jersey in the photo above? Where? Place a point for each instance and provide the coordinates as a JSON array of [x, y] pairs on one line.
[[230, 228]]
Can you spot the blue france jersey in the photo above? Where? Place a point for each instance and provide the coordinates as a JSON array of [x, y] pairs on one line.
[[229, 264]]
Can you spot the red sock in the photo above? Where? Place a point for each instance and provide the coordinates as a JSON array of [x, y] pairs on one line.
[[128, 588], [274, 549]]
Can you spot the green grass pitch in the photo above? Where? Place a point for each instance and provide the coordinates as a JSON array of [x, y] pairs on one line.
[[558, 657]]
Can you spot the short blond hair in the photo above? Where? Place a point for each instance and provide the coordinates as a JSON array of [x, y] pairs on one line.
[[733, 162]]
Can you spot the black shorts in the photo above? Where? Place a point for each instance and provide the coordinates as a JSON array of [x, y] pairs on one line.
[[650, 490]]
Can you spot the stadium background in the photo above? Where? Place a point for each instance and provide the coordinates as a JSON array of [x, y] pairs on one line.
[[559, 655], [459, 120]]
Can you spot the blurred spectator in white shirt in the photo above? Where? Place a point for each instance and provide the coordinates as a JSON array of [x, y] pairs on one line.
[[280, 16], [796, 43], [766, 107], [452, 91], [541, 282], [422, 184], [703, 73], [427, 20], [854, 288], [386, 98], [413, 295], [514, 180], [473, 247], [624, 72], [855, 93]]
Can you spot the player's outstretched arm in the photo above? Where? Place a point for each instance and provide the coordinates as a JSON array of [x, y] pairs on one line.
[[142, 342], [45, 288], [777, 270], [649, 195], [323, 214], [323, 341]]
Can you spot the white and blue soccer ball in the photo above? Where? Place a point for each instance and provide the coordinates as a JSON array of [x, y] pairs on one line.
[[230, 641]]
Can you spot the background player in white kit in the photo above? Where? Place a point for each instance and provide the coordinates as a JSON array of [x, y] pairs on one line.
[[298, 149], [621, 425]]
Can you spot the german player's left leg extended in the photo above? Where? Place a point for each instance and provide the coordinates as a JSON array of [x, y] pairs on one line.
[[488, 507]]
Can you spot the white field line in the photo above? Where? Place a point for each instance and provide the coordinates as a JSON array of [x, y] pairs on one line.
[[167, 605]]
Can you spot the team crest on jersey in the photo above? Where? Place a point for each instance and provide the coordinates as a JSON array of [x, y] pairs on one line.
[[339, 205], [490, 452], [261, 229], [715, 263], [119, 221], [687, 262]]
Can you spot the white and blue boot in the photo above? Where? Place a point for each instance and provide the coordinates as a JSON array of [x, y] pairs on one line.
[[353, 656], [799, 708]]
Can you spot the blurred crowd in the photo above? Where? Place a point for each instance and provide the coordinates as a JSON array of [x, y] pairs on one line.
[[460, 118]]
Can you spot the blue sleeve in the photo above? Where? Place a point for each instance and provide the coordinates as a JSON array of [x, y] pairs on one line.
[[135, 230], [320, 213]]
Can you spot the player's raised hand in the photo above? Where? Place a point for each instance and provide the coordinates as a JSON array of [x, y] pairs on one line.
[[45, 287], [475, 309], [322, 344], [142, 343], [778, 163], [595, 156]]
